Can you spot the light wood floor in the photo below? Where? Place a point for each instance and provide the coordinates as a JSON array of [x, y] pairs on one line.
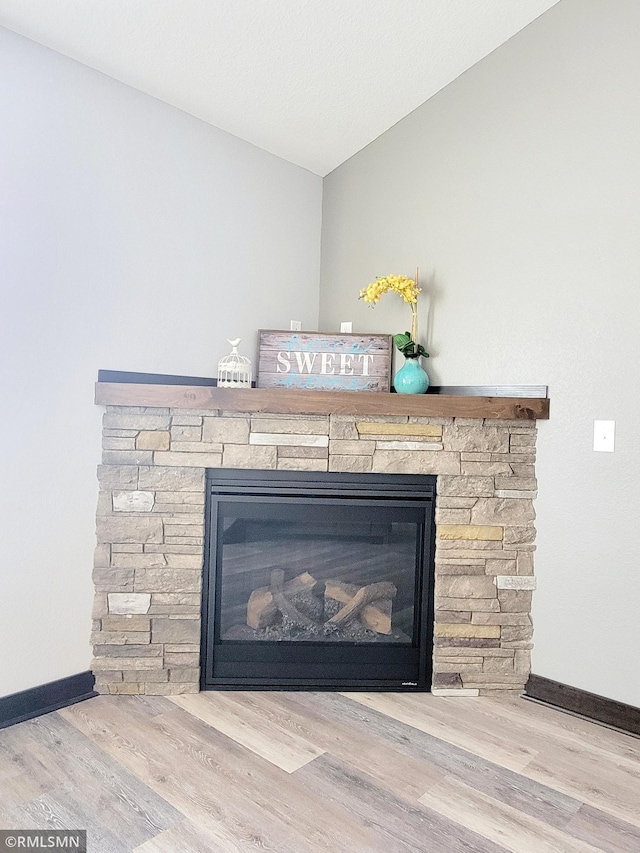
[[299, 772]]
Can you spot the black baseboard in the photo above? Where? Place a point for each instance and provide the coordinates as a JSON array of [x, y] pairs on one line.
[[598, 708], [45, 698]]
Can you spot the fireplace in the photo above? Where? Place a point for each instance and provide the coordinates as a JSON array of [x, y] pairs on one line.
[[318, 580], [154, 504]]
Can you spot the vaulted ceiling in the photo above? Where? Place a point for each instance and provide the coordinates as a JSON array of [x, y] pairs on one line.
[[312, 81]]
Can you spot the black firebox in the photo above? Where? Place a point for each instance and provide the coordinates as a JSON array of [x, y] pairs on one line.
[[318, 581]]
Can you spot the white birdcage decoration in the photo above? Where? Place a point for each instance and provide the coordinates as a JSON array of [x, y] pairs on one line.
[[234, 370]]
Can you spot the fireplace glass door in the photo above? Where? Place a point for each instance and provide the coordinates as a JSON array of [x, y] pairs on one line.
[[317, 580]]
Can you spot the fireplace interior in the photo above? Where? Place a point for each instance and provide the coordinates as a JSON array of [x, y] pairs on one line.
[[318, 580]]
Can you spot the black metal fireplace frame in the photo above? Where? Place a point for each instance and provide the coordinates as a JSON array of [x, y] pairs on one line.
[[336, 666]]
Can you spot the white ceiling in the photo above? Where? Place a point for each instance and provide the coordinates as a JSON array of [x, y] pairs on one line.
[[312, 81]]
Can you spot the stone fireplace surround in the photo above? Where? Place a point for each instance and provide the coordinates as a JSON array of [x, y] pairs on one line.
[[150, 517]]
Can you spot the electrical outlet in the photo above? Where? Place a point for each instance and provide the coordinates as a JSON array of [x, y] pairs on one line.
[[296, 326], [604, 433], [345, 328]]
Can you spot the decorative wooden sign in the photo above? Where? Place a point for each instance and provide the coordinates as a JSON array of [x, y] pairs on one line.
[[316, 361]]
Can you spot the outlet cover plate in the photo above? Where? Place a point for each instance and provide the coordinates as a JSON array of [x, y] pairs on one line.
[[604, 433]]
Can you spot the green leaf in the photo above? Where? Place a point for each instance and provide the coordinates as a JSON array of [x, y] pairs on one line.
[[409, 348], [401, 340]]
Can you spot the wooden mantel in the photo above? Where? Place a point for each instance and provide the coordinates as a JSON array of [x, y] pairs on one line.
[[282, 401]]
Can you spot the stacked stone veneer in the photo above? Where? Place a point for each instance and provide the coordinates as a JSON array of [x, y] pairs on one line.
[[150, 526]]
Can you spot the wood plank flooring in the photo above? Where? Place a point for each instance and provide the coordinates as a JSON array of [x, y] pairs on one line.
[[297, 772]]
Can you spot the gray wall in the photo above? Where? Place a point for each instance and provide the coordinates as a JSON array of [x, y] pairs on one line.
[[132, 237], [516, 190]]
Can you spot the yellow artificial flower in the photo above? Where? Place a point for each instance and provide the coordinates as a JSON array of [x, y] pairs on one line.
[[408, 289]]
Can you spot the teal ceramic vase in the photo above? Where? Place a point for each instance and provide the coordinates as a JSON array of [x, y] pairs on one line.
[[411, 378]]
